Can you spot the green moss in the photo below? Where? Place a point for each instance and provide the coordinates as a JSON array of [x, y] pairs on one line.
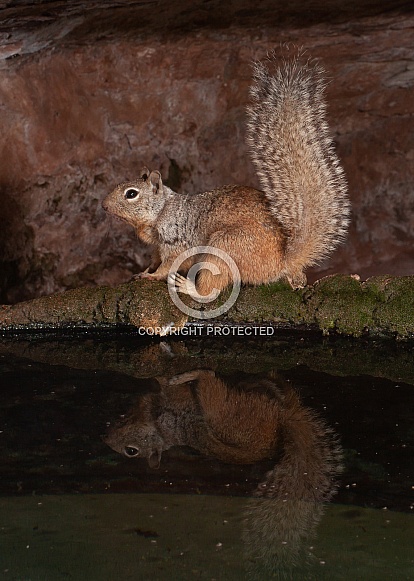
[[340, 303], [141, 303], [338, 356], [276, 303], [382, 306], [396, 313]]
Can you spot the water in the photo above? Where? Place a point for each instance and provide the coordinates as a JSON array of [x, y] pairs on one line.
[[279, 458]]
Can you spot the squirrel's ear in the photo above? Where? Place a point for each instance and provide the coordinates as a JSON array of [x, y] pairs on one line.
[[154, 459], [144, 173], [156, 181]]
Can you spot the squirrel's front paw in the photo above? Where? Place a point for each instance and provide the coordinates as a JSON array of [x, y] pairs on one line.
[[183, 285], [147, 275], [190, 376]]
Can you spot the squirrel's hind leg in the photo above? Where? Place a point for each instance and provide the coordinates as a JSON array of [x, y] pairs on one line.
[[216, 279], [207, 283], [257, 251]]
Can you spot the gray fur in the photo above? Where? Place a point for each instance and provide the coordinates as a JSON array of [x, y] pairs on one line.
[[293, 153]]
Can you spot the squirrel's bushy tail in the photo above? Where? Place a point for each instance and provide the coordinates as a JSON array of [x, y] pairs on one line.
[[294, 157], [290, 501]]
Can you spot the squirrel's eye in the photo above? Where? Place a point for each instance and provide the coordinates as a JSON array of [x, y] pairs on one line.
[[131, 193], [131, 451]]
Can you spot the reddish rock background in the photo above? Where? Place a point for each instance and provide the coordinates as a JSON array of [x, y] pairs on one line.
[[92, 91]]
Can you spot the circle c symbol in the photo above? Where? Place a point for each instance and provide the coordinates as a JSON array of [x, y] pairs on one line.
[[227, 260]]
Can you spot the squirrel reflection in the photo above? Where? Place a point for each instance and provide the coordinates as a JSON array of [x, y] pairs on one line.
[[260, 419]]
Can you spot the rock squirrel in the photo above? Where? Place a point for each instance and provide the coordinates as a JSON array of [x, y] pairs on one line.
[[260, 418], [197, 409], [240, 425], [296, 221]]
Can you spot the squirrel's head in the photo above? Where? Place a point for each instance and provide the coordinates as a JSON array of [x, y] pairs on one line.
[[140, 201], [137, 440]]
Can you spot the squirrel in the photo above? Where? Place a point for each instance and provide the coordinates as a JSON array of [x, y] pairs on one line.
[[213, 422], [300, 216], [260, 418]]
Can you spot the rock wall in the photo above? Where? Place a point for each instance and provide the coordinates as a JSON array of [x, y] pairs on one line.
[[79, 116]]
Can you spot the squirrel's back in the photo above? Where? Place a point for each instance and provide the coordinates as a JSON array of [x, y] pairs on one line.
[[295, 160]]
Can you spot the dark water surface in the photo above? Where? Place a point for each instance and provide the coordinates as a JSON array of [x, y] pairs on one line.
[[267, 458]]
